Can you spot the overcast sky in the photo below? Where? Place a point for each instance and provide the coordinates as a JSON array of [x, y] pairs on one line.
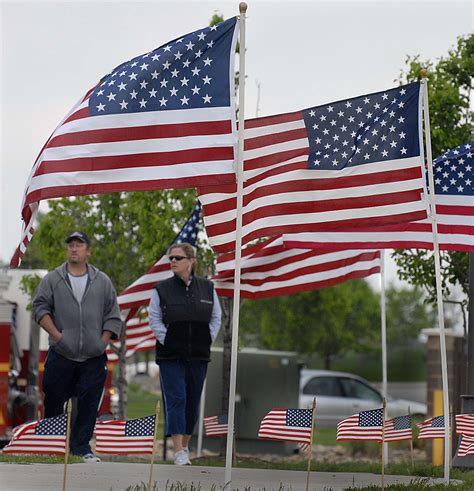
[[300, 54]]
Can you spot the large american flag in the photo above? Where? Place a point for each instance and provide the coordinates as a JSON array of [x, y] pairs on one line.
[[216, 425], [351, 163], [165, 119], [138, 294], [398, 428], [454, 196], [431, 428], [293, 425], [270, 269], [133, 436], [366, 425], [465, 424], [46, 436], [466, 447]]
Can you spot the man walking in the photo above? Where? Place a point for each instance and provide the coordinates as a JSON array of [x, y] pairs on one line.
[[76, 305]]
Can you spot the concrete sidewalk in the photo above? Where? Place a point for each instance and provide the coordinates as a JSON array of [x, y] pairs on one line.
[[111, 476]]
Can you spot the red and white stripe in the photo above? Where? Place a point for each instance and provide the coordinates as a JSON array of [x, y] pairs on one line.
[[349, 429], [465, 424], [393, 435], [111, 439], [270, 269], [139, 337], [274, 427], [455, 217], [130, 152], [466, 447], [25, 441], [281, 195], [212, 426], [427, 431], [138, 294]]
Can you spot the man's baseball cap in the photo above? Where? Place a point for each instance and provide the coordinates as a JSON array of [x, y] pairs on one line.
[[81, 236]]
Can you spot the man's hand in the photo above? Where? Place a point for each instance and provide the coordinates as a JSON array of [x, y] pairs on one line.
[[106, 335], [57, 336], [48, 325]]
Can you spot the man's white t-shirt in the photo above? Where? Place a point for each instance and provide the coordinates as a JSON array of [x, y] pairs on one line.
[[78, 284]]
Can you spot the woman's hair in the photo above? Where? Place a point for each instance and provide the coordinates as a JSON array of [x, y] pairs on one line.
[[187, 248]]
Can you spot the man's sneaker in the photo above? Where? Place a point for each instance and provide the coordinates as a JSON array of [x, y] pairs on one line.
[[181, 458], [186, 449], [90, 458]]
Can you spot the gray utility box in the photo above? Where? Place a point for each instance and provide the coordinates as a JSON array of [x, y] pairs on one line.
[[265, 380]]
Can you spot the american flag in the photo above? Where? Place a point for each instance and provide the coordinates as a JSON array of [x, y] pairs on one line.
[[46, 436], [270, 269], [138, 294], [165, 119], [431, 428], [366, 425], [465, 424], [133, 436], [398, 428], [292, 425], [216, 425], [466, 447], [351, 163], [139, 337], [454, 196]]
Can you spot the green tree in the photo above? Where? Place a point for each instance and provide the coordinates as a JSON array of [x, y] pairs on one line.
[[407, 315], [129, 231], [450, 83], [329, 321]]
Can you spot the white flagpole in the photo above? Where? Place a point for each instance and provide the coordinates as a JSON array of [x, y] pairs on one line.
[[238, 255], [383, 327], [439, 293], [202, 406]]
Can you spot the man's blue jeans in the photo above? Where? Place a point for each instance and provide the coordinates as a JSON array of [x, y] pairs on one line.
[[181, 384], [63, 379]]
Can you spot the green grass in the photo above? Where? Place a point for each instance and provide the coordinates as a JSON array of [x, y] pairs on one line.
[[417, 486], [38, 459]]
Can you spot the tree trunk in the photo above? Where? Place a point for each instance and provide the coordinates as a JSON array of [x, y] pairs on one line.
[[122, 384], [226, 304]]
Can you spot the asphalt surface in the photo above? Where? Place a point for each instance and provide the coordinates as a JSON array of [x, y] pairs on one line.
[[111, 476]]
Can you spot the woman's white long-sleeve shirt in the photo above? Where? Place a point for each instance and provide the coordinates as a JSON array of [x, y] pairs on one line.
[[156, 317]]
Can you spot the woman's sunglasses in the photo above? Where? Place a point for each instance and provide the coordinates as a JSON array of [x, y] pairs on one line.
[[178, 258]]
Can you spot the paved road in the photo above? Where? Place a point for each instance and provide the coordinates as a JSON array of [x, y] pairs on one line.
[[412, 391], [108, 476]]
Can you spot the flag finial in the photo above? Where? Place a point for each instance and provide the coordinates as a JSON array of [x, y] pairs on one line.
[[243, 7]]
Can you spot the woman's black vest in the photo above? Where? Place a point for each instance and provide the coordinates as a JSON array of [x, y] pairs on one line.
[[186, 314]]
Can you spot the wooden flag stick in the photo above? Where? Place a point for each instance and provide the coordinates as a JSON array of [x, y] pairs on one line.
[[384, 408], [157, 414], [68, 436], [310, 453], [411, 442]]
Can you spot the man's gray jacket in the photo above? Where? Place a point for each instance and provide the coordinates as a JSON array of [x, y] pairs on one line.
[[81, 324]]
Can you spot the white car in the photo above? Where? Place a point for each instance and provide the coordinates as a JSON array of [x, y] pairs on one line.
[[340, 395]]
